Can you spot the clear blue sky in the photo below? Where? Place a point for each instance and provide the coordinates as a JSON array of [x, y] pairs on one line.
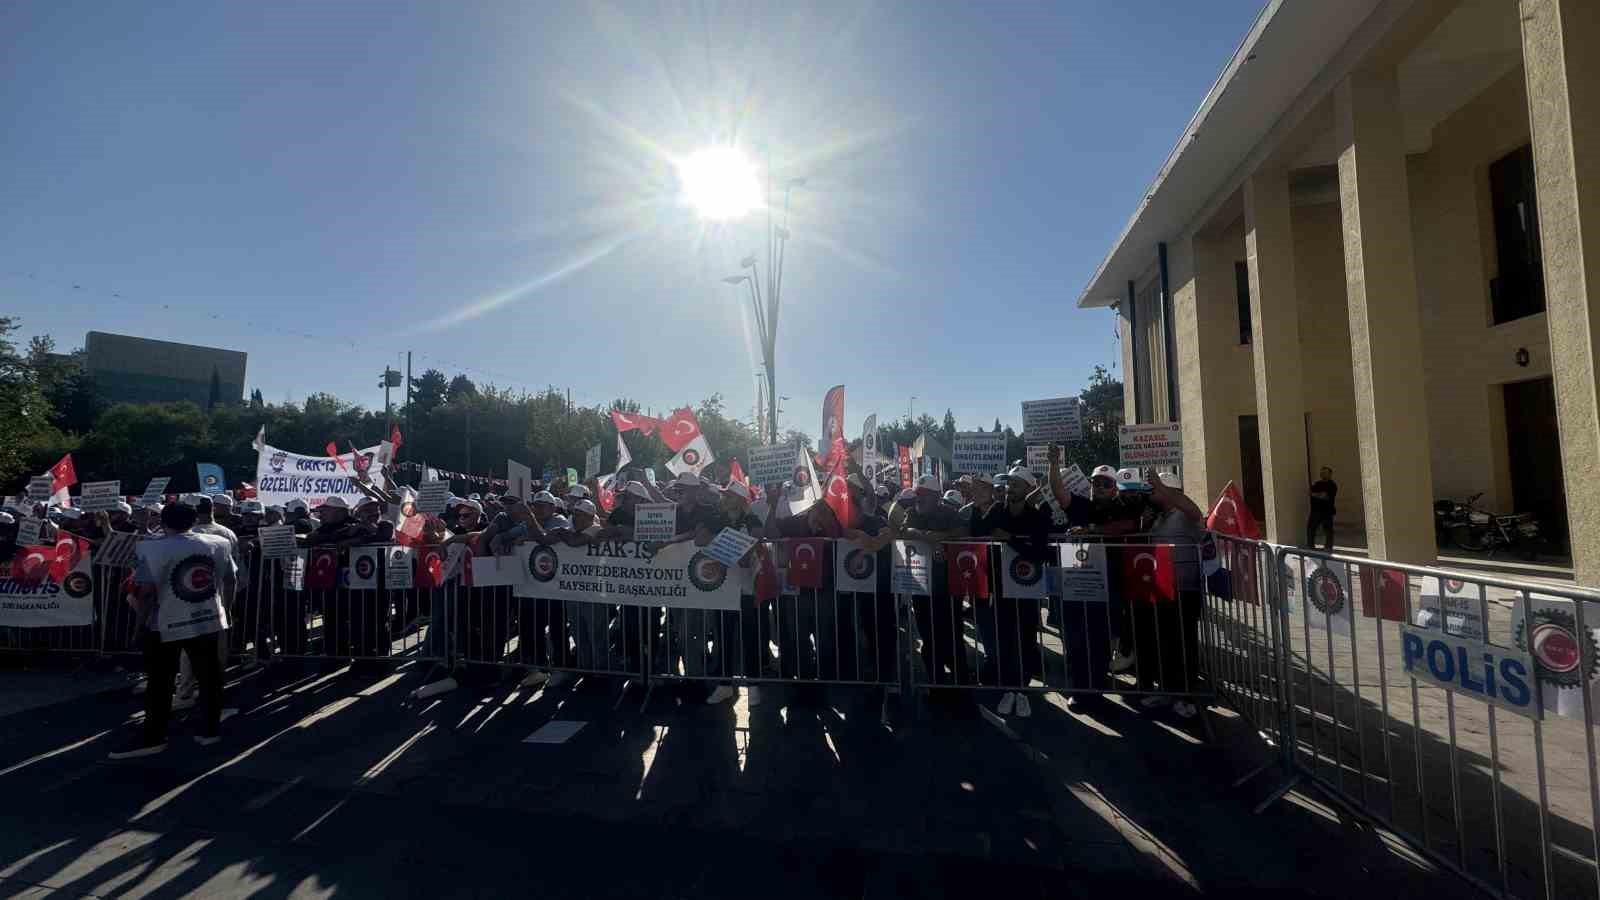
[[491, 185]]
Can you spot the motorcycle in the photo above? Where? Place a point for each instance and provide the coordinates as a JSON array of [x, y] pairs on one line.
[[1468, 527]]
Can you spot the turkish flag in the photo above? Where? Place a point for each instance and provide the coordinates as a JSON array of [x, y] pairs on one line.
[[69, 550], [410, 528], [837, 491], [394, 437], [430, 567], [1390, 595], [634, 422], [805, 562], [1243, 571], [1231, 515], [837, 497], [680, 429], [767, 584], [324, 569], [736, 473], [968, 566], [33, 563], [606, 492], [63, 475], [1147, 574]]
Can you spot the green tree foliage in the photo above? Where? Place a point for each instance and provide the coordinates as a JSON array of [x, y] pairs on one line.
[[25, 412]]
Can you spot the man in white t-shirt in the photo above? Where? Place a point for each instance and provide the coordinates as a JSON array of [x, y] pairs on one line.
[[205, 523], [183, 587]]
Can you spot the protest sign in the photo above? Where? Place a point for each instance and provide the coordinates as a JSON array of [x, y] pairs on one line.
[[155, 490], [773, 465], [519, 479], [39, 488], [1158, 444], [729, 546], [28, 531], [1462, 605], [431, 497], [100, 495], [979, 452], [1079, 585], [913, 568], [398, 566], [116, 550], [282, 476], [1051, 421], [591, 462], [362, 575], [1076, 482], [655, 522], [1039, 460], [277, 541], [631, 572]]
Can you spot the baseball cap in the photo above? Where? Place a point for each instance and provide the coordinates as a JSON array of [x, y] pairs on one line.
[[1018, 473], [333, 502], [584, 506], [545, 497], [906, 496], [470, 504], [981, 478], [1104, 472], [954, 497], [578, 491], [190, 499], [251, 507], [295, 504], [221, 500], [1128, 475], [637, 489], [928, 483], [7, 519]]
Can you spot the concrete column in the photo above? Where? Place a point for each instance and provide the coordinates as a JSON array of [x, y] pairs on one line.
[[1204, 307], [1563, 71], [1275, 326], [1385, 320]]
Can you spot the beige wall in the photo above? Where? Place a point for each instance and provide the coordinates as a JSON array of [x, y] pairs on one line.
[[1467, 358]]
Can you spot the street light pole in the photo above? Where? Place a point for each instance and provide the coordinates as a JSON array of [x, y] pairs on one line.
[[766, 309]]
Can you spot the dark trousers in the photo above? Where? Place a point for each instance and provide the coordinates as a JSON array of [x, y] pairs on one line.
[[1009, 629], [1168, 639], [161, 665], [1319, 521], [941, 632], [1086, 633], [542, 633]]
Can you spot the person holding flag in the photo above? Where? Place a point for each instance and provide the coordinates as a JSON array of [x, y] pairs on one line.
[[1175, 628]]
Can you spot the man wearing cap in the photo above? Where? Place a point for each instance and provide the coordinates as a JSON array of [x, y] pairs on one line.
[[222, 509], [1012, 629], [298, 513], [928, 519]]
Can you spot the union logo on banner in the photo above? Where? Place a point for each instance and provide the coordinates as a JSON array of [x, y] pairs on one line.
[[860, 564], [1025, 572], [1558, 654], [192, 579], [1325, 592], [706, 573], [543, 564], [277, 461]]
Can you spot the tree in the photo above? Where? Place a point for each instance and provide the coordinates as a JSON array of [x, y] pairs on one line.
[[428, 392], [948, 430], [24, 410], [996, 426], [793, 436], [460, 386], [1101, 417]]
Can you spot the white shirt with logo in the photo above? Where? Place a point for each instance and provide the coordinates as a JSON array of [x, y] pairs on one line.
[[187, 571]]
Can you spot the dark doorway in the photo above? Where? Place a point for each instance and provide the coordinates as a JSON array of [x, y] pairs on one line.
[[1250, 466], [1533, 449]]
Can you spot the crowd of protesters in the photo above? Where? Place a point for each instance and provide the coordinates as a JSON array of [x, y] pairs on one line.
[[853, 638]]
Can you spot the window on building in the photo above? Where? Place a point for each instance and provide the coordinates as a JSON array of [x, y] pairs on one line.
[[1241, 286], [1518, 289]]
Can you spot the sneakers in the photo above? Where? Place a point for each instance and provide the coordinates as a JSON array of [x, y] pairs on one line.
[[722, 694], [1008, 702], [1185, 709], [1154, 701], [136, 747], [535, 679], [1121, 663], [752, 695], [1024, 708]]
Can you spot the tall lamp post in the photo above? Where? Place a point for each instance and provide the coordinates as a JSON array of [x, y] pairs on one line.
[[766, 308]]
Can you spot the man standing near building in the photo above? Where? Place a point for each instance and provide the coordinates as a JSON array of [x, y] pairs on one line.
[[184, 584], [1323, 493]]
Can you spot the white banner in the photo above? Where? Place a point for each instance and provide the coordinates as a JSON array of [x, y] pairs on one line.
[[855, 568], [1021, 578], [100, 495], [398, 568], [499, 571], [282, 476], [913, 568], [678, 576], [1051, 421], [43, 603], [773, 465], [363, 572], [869, 449], [1159, 444], [655, 522], [519, 479], [979, 452]]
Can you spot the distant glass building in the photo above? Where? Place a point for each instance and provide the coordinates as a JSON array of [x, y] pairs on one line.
[[141, 370]]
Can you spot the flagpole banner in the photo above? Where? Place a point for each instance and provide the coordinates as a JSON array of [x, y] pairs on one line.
[[363, 572], [681, 576], [519, 479], [623, 456], [855, 567], [397, 572], [211, 478], [1564, 661], [869, 448], [282, 476], [773, 465], [655, 522], [978, 452], [1462, 607], [1051, 421], [913, 568], [1023, 578], [40, 602]]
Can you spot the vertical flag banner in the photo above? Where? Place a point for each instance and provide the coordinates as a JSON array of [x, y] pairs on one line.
[[836, 452], [904, 455], [211, 478], [591, 462], [803, 490], [623, 456], [1148, 575], [869, 448]]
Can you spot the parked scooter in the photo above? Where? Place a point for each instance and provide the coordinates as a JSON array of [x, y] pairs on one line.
[[1468, 527]]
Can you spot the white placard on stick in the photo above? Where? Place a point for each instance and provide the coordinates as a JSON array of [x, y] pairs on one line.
[[1076, 482], [28, 532], [1158, 444], [913, 568], [100, 495], [1051, 421], [399, 564], [155, 490], [591, 462], [39, 488], [1039, 459], [730, 546], [277, 541], [655, 522], [979, 452], [432, 496], [519, 479], [773, 465]]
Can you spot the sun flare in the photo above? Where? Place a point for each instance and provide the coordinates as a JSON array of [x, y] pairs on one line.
[[719, 183]]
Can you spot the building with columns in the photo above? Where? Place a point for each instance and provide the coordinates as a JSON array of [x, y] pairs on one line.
[[1368, 251]]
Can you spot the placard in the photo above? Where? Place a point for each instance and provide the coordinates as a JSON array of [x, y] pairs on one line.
[[1051, 421], [277, 541], [39, 488], [28, 531], [655, 522], [519, 479], [294, 569], [1462, 607], [432, 497], [729, 546], [499, 571], [1076, 482], [1079, 585], [1158, 444], [399, 564], [677, 575], [979, 452], [117, 550], [362, 574], [1039, 460], [100, 495], [591, 462], [913, 568], [773, 465], [155, 490]]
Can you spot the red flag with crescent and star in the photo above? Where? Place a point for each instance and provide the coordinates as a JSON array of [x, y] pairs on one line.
[[805, 562], [69, 551], [1231, 515], [968, 569], [1147, 574], [63, 475], [680, 429], [32, 563], [430, 567], [836, 491], [736, 473], [634, 422], [323, 571], [767, 584]]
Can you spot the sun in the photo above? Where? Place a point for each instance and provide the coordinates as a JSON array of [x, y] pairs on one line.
[[719, 182]]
